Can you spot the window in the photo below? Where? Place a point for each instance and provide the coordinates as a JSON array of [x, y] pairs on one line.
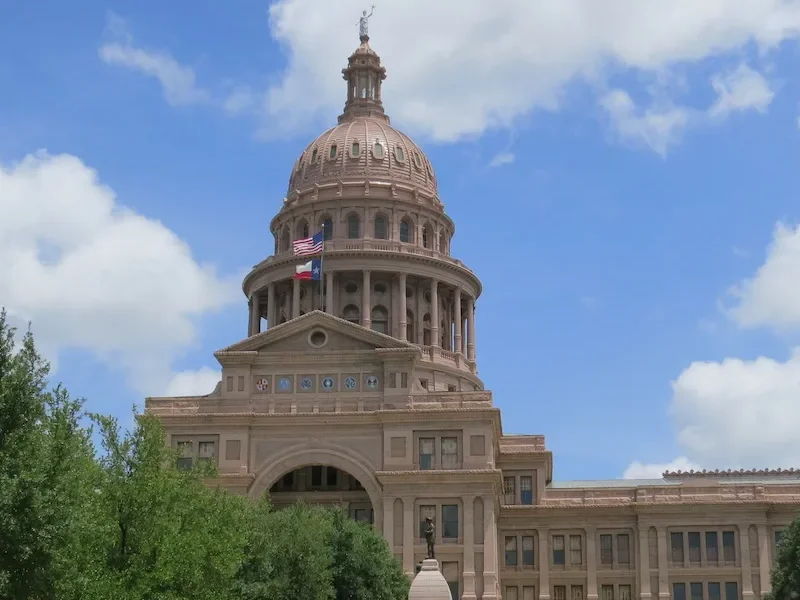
[[351, 313], [449, 453], [355, 150], [526, 489], [778, 536], [575, 550], [451, 387], [694, 546], [559, 592], [509, 490], [678, 591], [410, 326], [450, 572], [425, 512], [623, 549], [288, 480], [331, 476], [511, 592], [362, 515], [731, 590], [714, 592], [729, 546], [676, 544], [353, 227], [528, 592], [511, 551], [285, 240], [450, 521], [380, 320], [712, 548], [316, 476], [696, 591], [185, 451], [527, 550], [403, 380], [405, 231], [427, 453], [205, 451], [559, 556], [417, 161], [332, 152], [302, 229], [442, 242], [426, 237], [576, 592], [606, 550], [377, 150], [624, 592], [314, 156], [380, 228], [607, 592], [327, 229], [399, 154]]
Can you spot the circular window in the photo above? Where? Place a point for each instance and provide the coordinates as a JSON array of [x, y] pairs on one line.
[[351, 288], [318, 338], [380, 288]]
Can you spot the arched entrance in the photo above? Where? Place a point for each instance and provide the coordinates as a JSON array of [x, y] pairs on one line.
[[325, 474]]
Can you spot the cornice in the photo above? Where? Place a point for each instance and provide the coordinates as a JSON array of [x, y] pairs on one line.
[[733, 474], [648, 508]]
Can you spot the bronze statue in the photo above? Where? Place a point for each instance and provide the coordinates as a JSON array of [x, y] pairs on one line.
[[430, 536]]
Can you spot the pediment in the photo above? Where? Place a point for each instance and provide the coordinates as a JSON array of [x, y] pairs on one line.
[[316, 332]]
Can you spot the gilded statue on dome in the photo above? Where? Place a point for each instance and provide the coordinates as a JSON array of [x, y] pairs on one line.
[[363, 23]]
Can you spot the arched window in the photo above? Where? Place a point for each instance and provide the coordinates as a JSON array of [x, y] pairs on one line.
[[351, 313], [353, 227], [314, 156], [302, 229], [405, 231], [327, 228], [442, 241], [410, 326], [427, 237], [426, 330], [286, 241], [381, 232], [332, 152], [380, 319], [355, 149]]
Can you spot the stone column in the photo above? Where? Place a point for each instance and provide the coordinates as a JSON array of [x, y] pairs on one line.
[[591, 563], [469, 548], [644, 563], [272, 306], [419, 324], [764, 562], [544, 563], [408, 535], [458, 320], [295, 298], [434, 312], [489, 550], [250, 317], [329, 307], [663, 565], [388, 522], [403, 322], [366, 301], [744, 556], [256, 314], [471, 328]]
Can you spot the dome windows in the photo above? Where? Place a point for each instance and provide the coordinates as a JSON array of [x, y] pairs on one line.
[[417, 160], [355, 149], [406, 231], [353, 227], [286, 242], [399, 155], [333, 152], [427, 237], [379, 288], [302, 229], [378, 150], [327, 229], [381, 229], [314, 156], [351, 287], [351, 313]]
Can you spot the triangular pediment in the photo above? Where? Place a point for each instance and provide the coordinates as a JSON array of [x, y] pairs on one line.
[[299, 335]]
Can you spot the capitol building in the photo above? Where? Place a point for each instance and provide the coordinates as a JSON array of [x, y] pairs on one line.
[[357, 385]]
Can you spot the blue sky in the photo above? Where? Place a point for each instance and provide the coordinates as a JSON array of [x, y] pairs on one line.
[[648, 155]]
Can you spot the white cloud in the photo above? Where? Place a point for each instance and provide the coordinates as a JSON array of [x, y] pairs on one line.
[[503, 158], [637, 470], [93, 275], [193, 383], [472, 64], [178, 82], [771, 298], [739, 90]]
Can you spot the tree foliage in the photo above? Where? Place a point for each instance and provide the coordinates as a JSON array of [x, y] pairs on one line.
[[786, 572], [124, 522]]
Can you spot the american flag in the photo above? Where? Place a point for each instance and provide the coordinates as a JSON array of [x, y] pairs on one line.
[[308, 246]]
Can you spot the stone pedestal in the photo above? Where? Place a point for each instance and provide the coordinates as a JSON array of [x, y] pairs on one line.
[[429, 584]]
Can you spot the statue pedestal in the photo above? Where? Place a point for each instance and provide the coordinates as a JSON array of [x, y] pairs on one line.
[[429, 584]]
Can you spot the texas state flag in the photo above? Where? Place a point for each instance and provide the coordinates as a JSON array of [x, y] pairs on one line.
[[311, 270]]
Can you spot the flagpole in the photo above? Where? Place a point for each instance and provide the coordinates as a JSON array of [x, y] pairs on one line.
[[321, 273]]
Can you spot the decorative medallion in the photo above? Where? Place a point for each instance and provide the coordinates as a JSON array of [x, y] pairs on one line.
[[262, 385], [284, 384], [350, 382], [327, 384], [306, 383], [372, 382]]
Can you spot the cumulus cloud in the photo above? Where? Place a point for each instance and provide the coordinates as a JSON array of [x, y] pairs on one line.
[[658, 128], [503, 158], [193, 383], [94, 275], [739, 90], [637, 470]]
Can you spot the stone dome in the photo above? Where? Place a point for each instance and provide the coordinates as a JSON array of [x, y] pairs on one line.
[[429, 584], [360, 146]]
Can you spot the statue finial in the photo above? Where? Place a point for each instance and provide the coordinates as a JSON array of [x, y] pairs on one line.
[[363, 24]]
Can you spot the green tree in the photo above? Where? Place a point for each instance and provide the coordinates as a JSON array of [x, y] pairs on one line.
[[786, 572]]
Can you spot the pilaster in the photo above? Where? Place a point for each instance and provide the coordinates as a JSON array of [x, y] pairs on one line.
[[591, 563], [435, 341], [295, 298], [457, 319], [408, 535], [663, 565], [489, 550], [744, 557], [469, 548], [764, 562], [544, 564], [402, 310], [272, 306], [366, 301], [643, 563]]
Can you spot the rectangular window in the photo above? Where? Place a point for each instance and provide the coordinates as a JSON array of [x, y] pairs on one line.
[[712, 547], [778, 536], [511, 551], [425, 512], [729, 546], [427, 451], [404, 378], [714, 591], [624, 592], [676, 543], [527, 550], [229, 383], [185, 451], [450, 521], [316, 476], [509, 490], [696, 591], [694, 546], [362, 515], [559, 556], [205, 451], [623, 549], [606, 550], [731, 590], [331, 476], [607, 592], [575, 550], [559, 592], [526, 489], [511, 592], [576, 592], [528, 592], [449, 453], [678, 591]]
